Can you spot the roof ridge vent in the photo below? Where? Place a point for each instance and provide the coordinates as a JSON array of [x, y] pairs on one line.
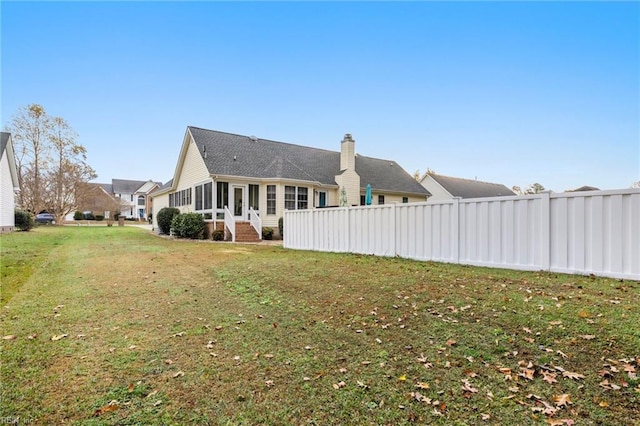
[[253, 138]]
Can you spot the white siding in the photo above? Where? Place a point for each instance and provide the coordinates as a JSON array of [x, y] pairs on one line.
[[7, 196], [193, 169], [159, 203], [438, 193]]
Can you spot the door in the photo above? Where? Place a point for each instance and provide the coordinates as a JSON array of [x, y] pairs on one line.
[[239, 210], [322, 199]]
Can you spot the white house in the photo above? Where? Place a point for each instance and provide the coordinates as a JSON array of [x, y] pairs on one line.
[[133, 194], [247, 174], [8, 183], [448, 187]]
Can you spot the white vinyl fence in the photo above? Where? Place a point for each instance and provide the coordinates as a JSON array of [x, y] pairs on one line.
[[595, 232]]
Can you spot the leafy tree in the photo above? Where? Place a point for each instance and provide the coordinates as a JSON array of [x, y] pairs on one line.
[[50, 163]]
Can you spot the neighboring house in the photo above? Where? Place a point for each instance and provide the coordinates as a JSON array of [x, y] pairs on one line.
[[134, 196], [217, 170], [96, 198], [8, 183], [447, 187]]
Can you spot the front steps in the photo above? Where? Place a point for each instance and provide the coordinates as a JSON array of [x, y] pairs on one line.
[[245, 233]]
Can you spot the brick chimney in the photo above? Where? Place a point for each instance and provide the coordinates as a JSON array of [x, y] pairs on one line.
[[348, 153]]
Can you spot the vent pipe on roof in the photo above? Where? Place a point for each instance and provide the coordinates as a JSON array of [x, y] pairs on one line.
[[253, 138]]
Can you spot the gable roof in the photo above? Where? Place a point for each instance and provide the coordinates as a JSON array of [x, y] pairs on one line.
[[7, 146], [467, 188], [125, 186], [4, 141], [236, 155]]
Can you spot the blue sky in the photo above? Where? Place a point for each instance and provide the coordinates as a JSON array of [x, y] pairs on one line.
[[508, 92]]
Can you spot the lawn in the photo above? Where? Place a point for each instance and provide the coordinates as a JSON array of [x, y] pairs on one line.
[[115, 326]]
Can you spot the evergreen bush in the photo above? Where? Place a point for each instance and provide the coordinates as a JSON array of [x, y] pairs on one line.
[[165, 216], [188, 225], [24, 221]]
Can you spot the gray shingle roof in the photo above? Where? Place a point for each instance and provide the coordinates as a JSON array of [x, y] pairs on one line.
[[107, 187], [236, 155], [124, 186], [584, 188], [467, 188]]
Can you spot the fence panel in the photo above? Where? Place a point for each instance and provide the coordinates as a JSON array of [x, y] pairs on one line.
[[594, 232]]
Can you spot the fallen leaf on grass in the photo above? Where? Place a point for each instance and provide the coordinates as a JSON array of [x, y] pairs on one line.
[[362, 385], [507, 373], [112, 406], [268, 383], [450, 342], [527, 373], [422, 385], [32, 336], [485, 416], [468, 387], [549, 377], [562, 400], [158, 402], [402, 378], [9, 337], [587, 336], [560, 422], [608, 385], [339, 385], [178, 374], [58, 337], [572, 375]]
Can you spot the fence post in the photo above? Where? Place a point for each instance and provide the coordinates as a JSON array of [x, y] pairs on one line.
[[545, 230], [394, 218], [455, 221]]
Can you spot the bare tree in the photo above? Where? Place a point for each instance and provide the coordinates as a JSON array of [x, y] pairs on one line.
[[29, 131], [517, 190], [636, 184], [50, 162], [68, 170]]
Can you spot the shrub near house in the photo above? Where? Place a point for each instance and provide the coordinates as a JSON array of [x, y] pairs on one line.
[[188, 225], [165, 217]]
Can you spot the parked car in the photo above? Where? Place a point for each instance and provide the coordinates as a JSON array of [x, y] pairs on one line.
[[45, 218]]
